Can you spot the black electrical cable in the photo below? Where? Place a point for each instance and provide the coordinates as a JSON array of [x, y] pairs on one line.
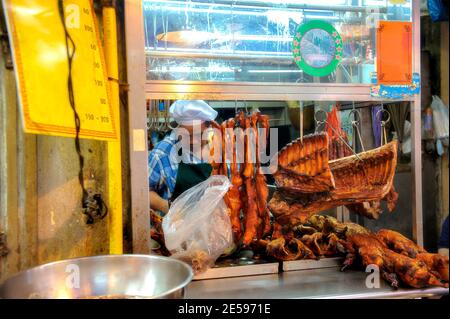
[[91, 206]]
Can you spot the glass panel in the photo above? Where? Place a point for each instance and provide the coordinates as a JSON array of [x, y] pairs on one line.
[[251, 41]]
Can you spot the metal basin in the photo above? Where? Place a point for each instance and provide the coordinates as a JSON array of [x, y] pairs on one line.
[[102, 277]]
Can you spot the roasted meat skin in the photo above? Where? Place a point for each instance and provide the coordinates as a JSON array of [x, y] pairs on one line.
[[303, 165], [436, 263], [372, 209], [391, 199], [399, 243], [368, 178], [234, 193], [294, 249], [251, 221], [392, 265], [412, 272], [262, 190]]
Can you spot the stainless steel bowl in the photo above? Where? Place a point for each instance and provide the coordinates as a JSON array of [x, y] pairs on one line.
[[102, 277]]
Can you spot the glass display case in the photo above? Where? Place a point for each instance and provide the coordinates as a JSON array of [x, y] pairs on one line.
[[251, 41]]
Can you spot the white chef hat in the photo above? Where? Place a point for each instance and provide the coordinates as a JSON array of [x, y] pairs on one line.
[[185, 112]]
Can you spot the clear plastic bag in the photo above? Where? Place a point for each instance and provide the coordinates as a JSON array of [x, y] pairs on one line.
[[197, 228]]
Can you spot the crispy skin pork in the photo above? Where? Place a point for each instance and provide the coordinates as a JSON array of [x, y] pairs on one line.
[[303, 165], [367, 178]]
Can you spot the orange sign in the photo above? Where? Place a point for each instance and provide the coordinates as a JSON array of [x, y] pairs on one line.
[[394, 52]]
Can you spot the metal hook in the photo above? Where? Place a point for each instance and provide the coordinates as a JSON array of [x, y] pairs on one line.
[[384, 112], [383, 124], [318, 120], [355, 125]]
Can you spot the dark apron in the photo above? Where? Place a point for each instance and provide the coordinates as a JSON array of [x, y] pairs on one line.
[[190, 175]]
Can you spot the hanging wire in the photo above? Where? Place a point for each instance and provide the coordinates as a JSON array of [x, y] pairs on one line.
[[93, 206], [356, 122], [383, 123]]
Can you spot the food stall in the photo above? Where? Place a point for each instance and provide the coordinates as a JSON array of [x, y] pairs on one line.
[[239, 53]]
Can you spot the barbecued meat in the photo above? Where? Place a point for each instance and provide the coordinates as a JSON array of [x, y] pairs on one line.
[[303, 165], [371, 210], [262, 191], [293, 249], [368, 177], [412, 272], [248, 151], [399, 243], [392, 265], [251, 221], [249, 192], [234, 192], [436, 263], [264, 121], [391, 199]]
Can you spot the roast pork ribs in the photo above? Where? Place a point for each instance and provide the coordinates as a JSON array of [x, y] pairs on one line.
[[366, 177], [303, 165]]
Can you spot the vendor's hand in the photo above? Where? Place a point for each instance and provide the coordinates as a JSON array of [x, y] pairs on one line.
[[158, 203]]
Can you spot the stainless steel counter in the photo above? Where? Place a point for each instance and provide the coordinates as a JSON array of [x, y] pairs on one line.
[[313, 283]]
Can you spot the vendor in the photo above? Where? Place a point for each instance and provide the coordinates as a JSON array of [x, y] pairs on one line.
[[172, 172]]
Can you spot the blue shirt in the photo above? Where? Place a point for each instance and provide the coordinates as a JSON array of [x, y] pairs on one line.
[[443, 241], [163, 165]]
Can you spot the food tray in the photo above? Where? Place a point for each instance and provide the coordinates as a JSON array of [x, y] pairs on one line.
[[239, 271], [312, 264]]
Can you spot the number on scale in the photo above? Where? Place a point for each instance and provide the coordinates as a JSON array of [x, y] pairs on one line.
[[90, 116], [99, 82], [86, 11], [102, 101], [88, 28]]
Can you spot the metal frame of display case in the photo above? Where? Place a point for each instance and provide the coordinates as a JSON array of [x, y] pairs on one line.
[[140, 89]]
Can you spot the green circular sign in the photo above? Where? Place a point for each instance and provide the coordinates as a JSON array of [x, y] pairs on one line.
[[317, 48]]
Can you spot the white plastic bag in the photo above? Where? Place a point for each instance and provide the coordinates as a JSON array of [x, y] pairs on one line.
[[197, 228], [440, 118]]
